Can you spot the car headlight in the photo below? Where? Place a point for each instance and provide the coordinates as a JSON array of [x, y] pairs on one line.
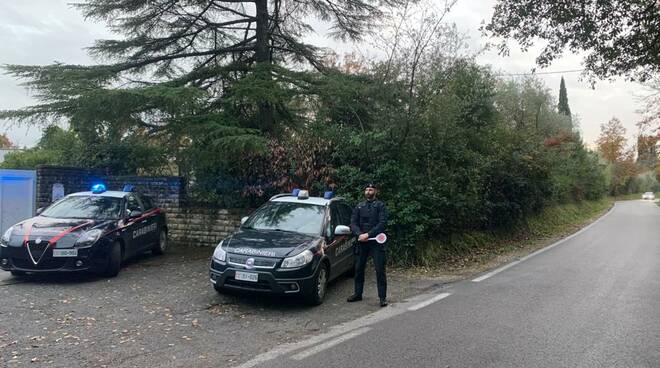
[[89, 238], [5, 238], [219, 253], [299, 260]]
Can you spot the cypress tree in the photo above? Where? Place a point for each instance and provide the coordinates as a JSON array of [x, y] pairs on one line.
[[562, 107]]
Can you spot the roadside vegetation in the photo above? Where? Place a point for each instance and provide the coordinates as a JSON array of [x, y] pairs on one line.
[[245, 111], [473, 250]]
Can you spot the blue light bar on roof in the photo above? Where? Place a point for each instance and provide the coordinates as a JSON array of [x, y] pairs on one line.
[[295, 192], [128, 188], [98, 188], [328, 195]]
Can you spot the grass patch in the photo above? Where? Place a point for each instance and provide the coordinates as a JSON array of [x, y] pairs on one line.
[[480, 249], [629, 197]]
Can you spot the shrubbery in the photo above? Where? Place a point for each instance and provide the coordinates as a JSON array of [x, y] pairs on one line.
[[460, 161], [460, 152]]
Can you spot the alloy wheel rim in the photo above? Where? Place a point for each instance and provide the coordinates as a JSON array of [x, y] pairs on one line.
[[163, 241], [321, 285]]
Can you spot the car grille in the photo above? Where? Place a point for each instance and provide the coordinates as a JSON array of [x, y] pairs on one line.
[[261, 285], [38, 247], [39, 251], [259, 262]]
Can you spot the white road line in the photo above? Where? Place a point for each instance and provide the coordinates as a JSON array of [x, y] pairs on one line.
[[428, 302], [380, 315], [495, 272], [287, 348], [505, 267], [327, 345]]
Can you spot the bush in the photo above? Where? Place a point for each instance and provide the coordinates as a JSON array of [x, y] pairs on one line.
[[455, 161]]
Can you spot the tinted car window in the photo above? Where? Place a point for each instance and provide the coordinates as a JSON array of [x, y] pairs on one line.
[[85, 207], [147, 202], [345, 212], [335, 219], [132, 203], [297, 217]]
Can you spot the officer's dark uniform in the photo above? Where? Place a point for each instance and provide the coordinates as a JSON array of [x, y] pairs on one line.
[[370, 217]]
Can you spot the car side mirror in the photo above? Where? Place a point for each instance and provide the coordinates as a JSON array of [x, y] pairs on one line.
[[134, 214], [40, 210], [342, 230], [244, 220]]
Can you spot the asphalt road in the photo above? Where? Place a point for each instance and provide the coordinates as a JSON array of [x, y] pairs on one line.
[[591, 301]]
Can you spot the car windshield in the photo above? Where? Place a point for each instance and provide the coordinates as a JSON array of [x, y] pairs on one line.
[[286, 216], [85, 207], [647, 193]]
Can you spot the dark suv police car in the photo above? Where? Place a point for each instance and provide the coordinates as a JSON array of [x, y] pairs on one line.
[[293, 244], [86, 231]]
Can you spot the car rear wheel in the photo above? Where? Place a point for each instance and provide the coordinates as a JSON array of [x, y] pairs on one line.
[[160, 247], [114, 260], [316, 294]]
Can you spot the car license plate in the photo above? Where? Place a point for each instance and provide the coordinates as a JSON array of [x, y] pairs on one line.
[[246, 276], [65, 252]]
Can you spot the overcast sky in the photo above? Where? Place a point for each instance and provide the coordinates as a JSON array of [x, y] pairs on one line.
[[45, 31]]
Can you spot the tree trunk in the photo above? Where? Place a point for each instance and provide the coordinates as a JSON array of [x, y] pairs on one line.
[[262, 57]]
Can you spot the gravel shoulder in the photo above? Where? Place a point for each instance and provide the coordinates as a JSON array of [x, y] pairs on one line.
[[162, 311]]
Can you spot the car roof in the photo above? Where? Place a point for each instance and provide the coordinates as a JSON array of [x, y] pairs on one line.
[[108, 193], [319, 201]]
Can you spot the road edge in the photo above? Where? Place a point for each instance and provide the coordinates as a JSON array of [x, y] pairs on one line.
[[493, 272]]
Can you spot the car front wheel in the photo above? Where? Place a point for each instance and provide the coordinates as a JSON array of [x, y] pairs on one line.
[[160, 247], [316, 294], [114, 260]]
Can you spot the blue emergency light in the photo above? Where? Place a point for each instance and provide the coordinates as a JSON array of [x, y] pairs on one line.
[[98, 188], [295, 192], [128, 188], [328, 195]]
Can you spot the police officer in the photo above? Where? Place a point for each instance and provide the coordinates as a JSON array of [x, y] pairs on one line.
[[368, 220]]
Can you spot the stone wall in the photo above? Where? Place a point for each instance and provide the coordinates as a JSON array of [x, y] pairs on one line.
[[188, 224], [203, 226]]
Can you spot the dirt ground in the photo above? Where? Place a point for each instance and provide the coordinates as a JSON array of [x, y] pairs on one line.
[[162, 311]]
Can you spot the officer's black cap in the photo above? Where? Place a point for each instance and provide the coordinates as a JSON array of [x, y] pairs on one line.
[[370, 185]]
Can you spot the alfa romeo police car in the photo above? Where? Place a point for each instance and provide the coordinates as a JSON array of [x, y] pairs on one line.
[[293, 244], [86, 231]]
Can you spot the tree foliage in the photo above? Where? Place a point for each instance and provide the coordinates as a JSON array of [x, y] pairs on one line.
[[125, 155], [647, 150], [56, 147], [215, 75], [452, 147], [650, 123], [5, 142], [619, 37], [612, 140], [480, 153], [562, 106], [622, 164]]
